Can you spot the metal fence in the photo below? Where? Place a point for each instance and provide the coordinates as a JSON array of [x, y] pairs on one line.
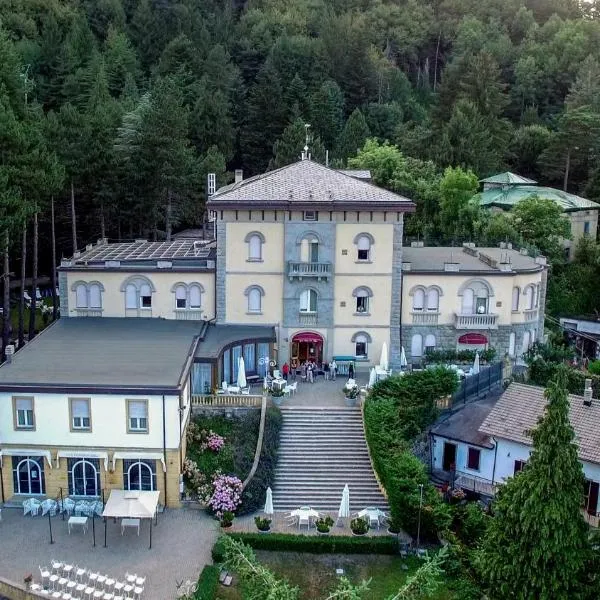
[[478, 386]]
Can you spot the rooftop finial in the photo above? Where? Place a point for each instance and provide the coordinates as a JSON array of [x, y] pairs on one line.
[[305, 152]]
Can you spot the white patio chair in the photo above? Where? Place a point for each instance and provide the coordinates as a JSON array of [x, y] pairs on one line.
[[35, 507], [35, 587], [67, 570], [97, 595], [108, 596], [57, 565], [130, 578], [80, 588], [44, 573], [68, 505], [246, 391], [71, 585], [128, 589], [66, 596], [109, 583], [98, 508], [137, 592], [101, 580], [287, 390], [304, 519], [92, 578], [80, 508], [56, 594], [79, 573], [49, 506], [373, 521], [88, 592], [52, 580], [119, 585], [26, 506], [293, 387], [224, 386], [277, 374], [140, 581], [62, 582]]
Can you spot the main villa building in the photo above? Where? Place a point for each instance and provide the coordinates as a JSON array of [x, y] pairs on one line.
[[307, 264]]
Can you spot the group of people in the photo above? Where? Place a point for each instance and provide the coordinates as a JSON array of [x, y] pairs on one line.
[[309, 370]]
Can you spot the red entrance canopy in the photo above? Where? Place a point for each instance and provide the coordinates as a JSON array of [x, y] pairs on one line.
[[307, 336], [472, 338]]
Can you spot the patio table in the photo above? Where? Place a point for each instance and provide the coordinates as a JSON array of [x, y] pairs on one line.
[[234, 389], [80, 521]]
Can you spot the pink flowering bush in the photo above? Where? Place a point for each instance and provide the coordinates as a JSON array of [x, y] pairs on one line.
[[227, 494], [214, 441]]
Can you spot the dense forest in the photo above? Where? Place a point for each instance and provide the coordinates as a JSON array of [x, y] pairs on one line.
[[112, 112]]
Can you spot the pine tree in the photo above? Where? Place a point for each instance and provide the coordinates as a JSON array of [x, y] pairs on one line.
[[327, 113], [121, 62], [289, 147], [353, 136], [537, 546]]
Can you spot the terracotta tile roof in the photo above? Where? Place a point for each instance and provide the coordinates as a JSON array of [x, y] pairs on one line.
[[520, 407], [310, 184]]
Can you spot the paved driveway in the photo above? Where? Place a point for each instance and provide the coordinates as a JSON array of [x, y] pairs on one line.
[[181, 545]]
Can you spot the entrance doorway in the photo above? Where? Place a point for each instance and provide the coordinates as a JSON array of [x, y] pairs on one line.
[[306, 346], [449, 461], [592, 489]]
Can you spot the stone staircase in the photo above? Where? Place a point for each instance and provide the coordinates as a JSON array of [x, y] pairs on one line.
[[321, 450]]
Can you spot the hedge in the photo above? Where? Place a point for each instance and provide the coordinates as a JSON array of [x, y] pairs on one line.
[[315, 544], [444, 356], [396, 411], [208, 583], [253, 497]]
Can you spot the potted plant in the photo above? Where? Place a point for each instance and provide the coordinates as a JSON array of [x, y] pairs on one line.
[[227, 519], [359, 526], [324, 525], [277, 396], [263, 524], [351, 392]]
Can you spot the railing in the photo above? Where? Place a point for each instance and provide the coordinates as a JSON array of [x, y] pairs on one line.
[[308, 319], [89, 312], [226, 400], [425, 318], [475, 484], [188, 315], [259, 442], [309, 269], [477, 386], [487, 321], [531, 314]]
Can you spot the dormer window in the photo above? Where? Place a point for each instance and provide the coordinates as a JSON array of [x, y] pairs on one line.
[[310, 215]]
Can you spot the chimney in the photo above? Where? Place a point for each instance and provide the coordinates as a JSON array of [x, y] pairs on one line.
[[239, 175], [9, 351], [587, 393], [452, 267]]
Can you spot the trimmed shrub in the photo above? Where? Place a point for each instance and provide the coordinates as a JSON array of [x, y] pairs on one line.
[[331, 544], [253, 497], [397, 410], [444, 356], [208, 583]]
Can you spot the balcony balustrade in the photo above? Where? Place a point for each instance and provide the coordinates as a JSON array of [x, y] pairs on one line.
[[308, 319], [316, 270], [476, 321], [531, 314], [188, 315], [425, 318]]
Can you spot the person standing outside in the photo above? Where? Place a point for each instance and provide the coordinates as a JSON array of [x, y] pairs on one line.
[[309, 373], [333, 369], [285, 370], [351, 371]]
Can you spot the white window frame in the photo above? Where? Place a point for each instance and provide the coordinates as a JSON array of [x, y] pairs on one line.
[[430, 305], [426, 344], [78, 421], [28, 414], [363, 244], [255, 297], [305, 301], [137, 424], [81, 296], [255, 243], [179, 290], [516, 298], [193, 306], [419, 300], [361, 339]]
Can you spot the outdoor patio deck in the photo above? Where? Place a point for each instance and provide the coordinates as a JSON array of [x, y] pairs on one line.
[[181, 545]]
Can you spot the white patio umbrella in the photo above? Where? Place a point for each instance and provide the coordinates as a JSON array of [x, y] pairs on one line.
[[241, 378], [403, 361], [344, 511], [476, 364], [372, 377], [269, 502], [383, 361]]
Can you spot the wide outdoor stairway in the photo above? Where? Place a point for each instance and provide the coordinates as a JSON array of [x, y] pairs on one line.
[[321, 450]]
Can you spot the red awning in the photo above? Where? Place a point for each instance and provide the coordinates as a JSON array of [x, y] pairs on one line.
[[473, 338], [308, 336]]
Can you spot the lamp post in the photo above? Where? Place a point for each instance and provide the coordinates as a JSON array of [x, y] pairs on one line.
[[419, 520]]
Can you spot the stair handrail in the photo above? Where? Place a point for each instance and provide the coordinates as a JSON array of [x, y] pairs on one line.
[[259, 442]]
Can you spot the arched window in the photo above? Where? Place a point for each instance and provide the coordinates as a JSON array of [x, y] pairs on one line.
[[468, 302], [81, 296], [254, 294], [512, 344], [515, 298], [139, 475], [195, 296], [308, 301], [418, 300], [363, 242], [309, 247], [361, 341], [526, 341], [131, 296], [529, 297], [28, 475], [138, 293], [84, 476], [362, 295], [255, 241], [416, 345], [475, 297], [145, 296], [429, 342], [95, 296], [433, 299], [180, 296]]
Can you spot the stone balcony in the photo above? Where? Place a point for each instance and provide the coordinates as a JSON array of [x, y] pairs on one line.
[[308, 319], [476, 321], [188, 315], [312, 270], [89, 312], [530, 315], [425, 318]]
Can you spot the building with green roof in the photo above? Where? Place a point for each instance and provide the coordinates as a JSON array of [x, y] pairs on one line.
[[504, 190]]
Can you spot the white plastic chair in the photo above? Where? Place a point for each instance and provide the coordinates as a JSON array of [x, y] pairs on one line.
[[130, 578], [44, 573], [293, 387], [98, 508], [26, 506], [49, 506], [140, 581], [224, 386], [56, 565], [287, 390], [304, 520], [79, 573], [138, 591], [35, 506], [277, 374]]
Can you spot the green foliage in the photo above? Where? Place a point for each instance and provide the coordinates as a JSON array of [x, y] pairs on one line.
[[359, 526], [397, 410], [353, 135], [330, 544], [467, 356], [262, 523], [537, 544], [594, 367], [208, 583], [324, 524], [457, 210]]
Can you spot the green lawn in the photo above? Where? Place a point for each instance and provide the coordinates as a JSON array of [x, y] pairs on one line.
[[315, 574]]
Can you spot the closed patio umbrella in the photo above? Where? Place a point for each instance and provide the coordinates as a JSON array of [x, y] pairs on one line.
[[403, 361], [241, 376], [383, 361], [344, 511], [269, 502], [476, 364], [372, 377]]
